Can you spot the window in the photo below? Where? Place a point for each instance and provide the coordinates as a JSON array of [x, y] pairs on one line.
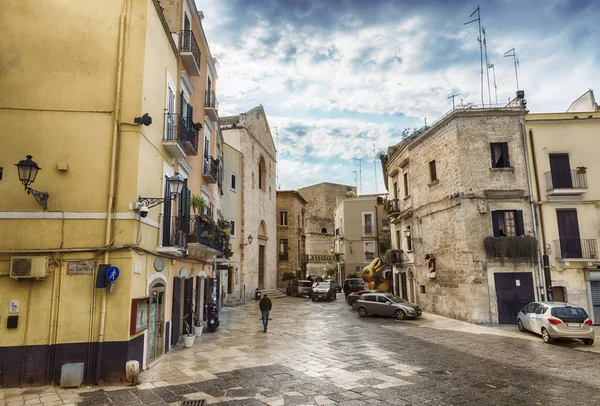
[[324, 231], [1, 169], [409, 240], [385, 224], [507, 223], [406, 193], [432, 171], [369, 251], [369, 298], [382, 299], [422, 288], [499, 152], [283, 249], [232, 182], [367, 223], [398, 240], [283, 220], [232, 229], [262, 172], [395, 190]]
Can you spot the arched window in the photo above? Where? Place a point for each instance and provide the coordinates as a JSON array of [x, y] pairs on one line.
[[262, 174], [324, 230]]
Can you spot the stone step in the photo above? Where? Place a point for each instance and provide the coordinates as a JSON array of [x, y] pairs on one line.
[[272, 293]]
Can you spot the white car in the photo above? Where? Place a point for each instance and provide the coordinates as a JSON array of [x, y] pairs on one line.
[[556, 320]]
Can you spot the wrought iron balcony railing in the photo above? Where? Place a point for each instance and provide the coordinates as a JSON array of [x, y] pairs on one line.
[[210, 169], [208, 233], [566, 248], [190, 46]]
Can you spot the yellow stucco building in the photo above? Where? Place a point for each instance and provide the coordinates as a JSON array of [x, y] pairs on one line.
[[565, 172], [76, 89]]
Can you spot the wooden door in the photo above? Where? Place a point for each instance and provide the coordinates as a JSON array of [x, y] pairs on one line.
[[261, 266], [403, 285], [188, 295], [176, 311], [568, 231], [560, 169], [513, 292]]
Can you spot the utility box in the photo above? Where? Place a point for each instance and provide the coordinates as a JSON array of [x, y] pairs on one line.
[[71, 375]]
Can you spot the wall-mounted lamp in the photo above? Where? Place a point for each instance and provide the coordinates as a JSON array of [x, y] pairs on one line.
[[145, 120], [175, 184], [407, 234], [28, 170], [249, 240]]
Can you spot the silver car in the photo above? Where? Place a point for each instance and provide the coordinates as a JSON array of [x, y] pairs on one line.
[[555, 320], [386, 304]]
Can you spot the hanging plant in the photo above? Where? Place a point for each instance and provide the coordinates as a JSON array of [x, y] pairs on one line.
[[517, 249]]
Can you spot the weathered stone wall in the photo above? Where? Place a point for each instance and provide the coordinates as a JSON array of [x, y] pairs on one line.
[[289, 202], [446, 220]]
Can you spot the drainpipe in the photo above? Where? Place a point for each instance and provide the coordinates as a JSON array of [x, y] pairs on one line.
[[111, 183], [533, 212]]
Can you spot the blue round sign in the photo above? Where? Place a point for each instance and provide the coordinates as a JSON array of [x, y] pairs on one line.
[[112, 274]]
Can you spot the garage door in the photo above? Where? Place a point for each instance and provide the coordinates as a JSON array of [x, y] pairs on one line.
[[513, 292]]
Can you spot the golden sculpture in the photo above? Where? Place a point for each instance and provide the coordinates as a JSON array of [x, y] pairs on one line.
[[372, 274]]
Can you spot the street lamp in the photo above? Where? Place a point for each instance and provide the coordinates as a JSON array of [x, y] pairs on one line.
[[175, 185], [249, 240], [28, 170], [407, 234]]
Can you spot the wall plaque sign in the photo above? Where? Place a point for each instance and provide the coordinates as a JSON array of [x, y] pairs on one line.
[[139, 314], [80, 268]]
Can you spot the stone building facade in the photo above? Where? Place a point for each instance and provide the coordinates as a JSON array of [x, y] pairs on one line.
[[451, 186], [290, 235], [321, 200], [250, 134]]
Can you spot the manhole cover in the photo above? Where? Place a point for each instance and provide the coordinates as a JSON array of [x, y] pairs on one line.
[[198, 402]]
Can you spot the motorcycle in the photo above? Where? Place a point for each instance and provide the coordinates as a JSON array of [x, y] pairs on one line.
[[212, 317]]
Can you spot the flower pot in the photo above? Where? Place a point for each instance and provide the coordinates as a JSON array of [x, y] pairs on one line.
[[581, 171], [198, 330], [188, 340]]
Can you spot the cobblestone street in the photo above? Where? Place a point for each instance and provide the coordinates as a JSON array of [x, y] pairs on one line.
[[322, 353]]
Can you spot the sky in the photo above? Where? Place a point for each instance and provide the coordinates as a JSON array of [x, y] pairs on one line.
[[341, 79]]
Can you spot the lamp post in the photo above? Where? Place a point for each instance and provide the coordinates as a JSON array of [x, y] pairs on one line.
[[28, 170], [249, 240], [174, 183]]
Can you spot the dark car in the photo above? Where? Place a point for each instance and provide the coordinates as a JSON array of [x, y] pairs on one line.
[[386, 304], [352, 285], [299, 288], [354, 296], [324, 290]]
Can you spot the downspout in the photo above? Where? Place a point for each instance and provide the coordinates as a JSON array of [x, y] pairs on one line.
[[111, 184], [533, 212]]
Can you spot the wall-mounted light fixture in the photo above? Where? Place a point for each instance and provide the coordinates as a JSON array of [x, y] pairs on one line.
[[249, 240], [145, 120], [28, 170], [175, 185], [407, 234]]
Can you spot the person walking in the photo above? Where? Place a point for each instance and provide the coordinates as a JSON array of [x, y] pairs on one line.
[[265, 306]]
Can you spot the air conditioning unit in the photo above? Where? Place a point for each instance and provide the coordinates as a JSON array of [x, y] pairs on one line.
[[28, 267]]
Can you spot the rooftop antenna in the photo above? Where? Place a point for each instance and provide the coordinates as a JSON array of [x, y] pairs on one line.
[[513, 53], [355, 180], [478, 19], [375, 166], [452, 96], [491, 65], [487, 71], [277, 157], [359, 191]]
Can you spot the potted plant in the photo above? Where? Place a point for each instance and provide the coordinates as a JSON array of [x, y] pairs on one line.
[[189, 338], [581, 170], [198, 203], [198, 324]]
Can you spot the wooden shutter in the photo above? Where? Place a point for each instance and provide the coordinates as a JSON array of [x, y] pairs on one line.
[[505, 154], [520, 227], [181, 104], [493, 156], [497, 216]]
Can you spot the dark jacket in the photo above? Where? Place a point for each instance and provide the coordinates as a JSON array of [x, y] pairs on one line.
[[265, 304]]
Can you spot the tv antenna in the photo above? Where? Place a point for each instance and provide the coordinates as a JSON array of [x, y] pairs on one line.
[[513, 53], [487, 71], [355, 181], [452, 96], [491, 65], [478, 19], [359, 191]]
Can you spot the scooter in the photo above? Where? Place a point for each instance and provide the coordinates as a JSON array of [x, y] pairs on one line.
[[212, 317]]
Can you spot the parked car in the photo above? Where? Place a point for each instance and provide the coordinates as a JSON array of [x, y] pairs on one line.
[[353, 285], [556, 320], [386, 304], [324, 290], [299, 288], [353, 297]]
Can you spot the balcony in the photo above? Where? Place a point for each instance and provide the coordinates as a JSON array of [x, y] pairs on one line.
[[190, 52], [210, 169], [212, 105], [207, 238], [569, 249], [181, 136], [393, 206], [566, 183], [174, 235]]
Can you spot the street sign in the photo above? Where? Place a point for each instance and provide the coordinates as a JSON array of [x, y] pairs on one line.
[[112, 274]]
